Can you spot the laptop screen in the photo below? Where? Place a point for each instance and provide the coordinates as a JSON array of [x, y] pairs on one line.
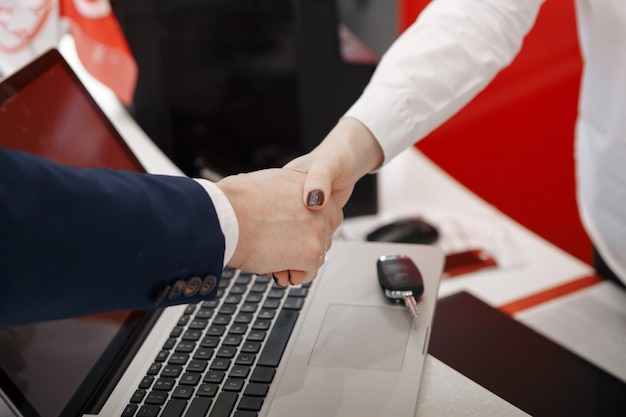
[[46, 111]]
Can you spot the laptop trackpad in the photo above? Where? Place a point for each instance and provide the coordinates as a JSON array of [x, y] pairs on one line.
[[362, 337]]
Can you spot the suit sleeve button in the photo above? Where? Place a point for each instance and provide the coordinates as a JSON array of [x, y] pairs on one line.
[[208, 284], [193, 286], [177, 289]]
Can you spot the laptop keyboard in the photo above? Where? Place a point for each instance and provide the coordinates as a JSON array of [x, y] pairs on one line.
[[221, 357]]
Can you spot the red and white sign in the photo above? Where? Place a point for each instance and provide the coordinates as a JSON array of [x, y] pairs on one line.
[[30, 27]]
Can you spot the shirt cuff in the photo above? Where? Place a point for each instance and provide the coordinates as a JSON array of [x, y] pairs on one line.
[[225, 215]]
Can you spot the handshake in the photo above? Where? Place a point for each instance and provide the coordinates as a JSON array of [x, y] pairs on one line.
[[279, 234], [287, 216]]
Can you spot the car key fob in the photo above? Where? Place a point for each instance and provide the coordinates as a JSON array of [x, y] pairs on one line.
[[398, 275]]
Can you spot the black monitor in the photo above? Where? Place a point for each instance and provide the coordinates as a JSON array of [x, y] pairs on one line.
[[236, 86]]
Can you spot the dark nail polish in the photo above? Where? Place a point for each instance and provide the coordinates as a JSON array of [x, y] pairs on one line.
[[276, 281], [315, 198]]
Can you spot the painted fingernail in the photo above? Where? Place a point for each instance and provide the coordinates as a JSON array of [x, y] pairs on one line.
[[315, 198], [276, 281]]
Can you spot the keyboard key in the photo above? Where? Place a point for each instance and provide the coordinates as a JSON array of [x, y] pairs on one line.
[[228, 273], [261, 324], [178, 359], [185, 347], [130, 410], [244, 318], [249, 308], [256, 336], [271, 304], [216, 330], [205, 313], [246, 359], [199, 407], [220, 364], [182, 392], [258, 287], [233, 384], [154, 369], [226, 352], [198, 324], [293, 303], [263, 279], [178, 330], [238, 289], [146, 382], [232, 340], [256, 390], [174, 408], [138, 396], [298, 292], [214, 377], [239, 371], [250, 403], [210, 304], [162, 356], [190, 378], [224, 404], [266, 314], [164, 384], [243, 279], [192, 335], [232, 299], [210, 342], [156, 397], [203, 354], [276, 293], [238, 329], [263, 374], [279, 336], [240, 413], [169, 343], [221, 319], [251, 347], [197, 366], [254, 298], [208, 390], [149, 411], [172, 371]]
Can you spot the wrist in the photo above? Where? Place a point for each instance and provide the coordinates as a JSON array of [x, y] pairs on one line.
[[350, 137]]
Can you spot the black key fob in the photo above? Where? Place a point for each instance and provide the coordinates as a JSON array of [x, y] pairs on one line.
[[398, 275]]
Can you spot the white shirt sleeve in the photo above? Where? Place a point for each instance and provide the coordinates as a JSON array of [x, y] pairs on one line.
[[451, 52], [226, 216]]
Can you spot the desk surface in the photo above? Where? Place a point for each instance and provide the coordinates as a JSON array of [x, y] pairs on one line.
[[412, 184]]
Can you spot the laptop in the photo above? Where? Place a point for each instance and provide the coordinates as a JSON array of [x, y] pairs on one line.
[[336, 347]]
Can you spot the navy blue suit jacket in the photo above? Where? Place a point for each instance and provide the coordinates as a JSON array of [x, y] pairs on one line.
[[77, 241]]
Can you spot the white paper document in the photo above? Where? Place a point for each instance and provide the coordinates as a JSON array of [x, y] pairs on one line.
[[590, 322]]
